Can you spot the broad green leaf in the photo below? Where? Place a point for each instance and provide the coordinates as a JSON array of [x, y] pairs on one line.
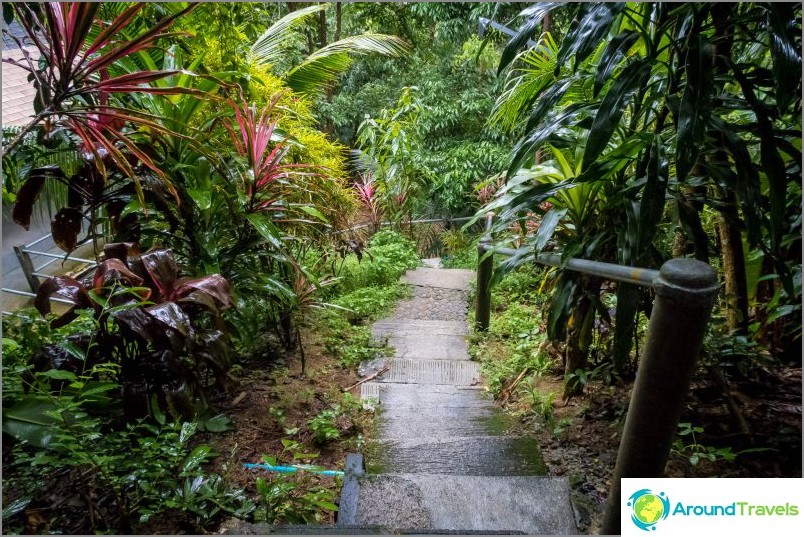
[[196, 457], [547, 226], [614, 54], [156, 410], [188, 429], [312, 211], [611, 109], [262, 223], [216, 424], [695, 107], [9, 345], [58, 374], [31, 420], [201, 197]]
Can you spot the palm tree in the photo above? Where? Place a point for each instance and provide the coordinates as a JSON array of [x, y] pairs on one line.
[[320, 69]]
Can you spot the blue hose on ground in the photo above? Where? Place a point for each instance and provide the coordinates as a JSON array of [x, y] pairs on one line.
[[291, 469]]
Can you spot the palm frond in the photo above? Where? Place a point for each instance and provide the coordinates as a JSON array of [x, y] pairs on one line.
[[268, 48], [320, 69], [526, 84]]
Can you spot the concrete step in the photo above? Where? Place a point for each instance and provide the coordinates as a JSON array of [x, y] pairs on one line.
[[455, 373], [424, 340], [398, 327], [448, 411], [481, 455], [445, 278], [431, 503]]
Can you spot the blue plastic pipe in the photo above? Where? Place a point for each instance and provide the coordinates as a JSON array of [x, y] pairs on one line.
[[291, 469]]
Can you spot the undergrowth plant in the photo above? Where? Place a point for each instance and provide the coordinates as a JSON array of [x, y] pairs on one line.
[[300, 497]]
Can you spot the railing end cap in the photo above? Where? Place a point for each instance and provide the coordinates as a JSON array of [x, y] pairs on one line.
[[689, 275]]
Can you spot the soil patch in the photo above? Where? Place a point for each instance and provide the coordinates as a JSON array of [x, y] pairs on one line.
[[581, 437]]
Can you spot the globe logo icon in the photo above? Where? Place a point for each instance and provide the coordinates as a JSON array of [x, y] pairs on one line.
[[648, 508]]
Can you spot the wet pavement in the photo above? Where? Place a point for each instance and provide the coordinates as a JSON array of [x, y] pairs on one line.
[[442, 460]]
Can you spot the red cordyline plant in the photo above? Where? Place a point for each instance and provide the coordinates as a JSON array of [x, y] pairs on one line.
[[366, 191], [256, 139], [74, 86]]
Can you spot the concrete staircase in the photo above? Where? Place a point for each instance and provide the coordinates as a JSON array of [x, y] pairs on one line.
[[442, 462]]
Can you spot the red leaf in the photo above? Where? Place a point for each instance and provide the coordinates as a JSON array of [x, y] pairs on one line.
[[161, 266], [213, 285], [116, 25], [170, 314], [114, 270], [26, 197], [67, 287], [66, 227]]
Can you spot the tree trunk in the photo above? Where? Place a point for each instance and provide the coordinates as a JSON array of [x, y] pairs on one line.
[[679, 244], [547, 23], [338, 20], [577, 351], [322, 28], [733, 262]]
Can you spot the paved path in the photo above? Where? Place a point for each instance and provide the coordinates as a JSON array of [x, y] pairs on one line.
[[442, 461]]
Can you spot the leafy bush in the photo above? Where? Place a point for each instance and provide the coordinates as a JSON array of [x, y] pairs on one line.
[[460, 249], [370, 303], [515, 337], [137, 472], [388, 256], [324, 425], [161, 331]]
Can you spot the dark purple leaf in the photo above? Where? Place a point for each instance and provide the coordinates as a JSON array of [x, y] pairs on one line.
[[161, 266], [170, 314], [114, 270], [213, 285], [161, 330], [67, 287], [66, 227], [120, 250], [29, 192]]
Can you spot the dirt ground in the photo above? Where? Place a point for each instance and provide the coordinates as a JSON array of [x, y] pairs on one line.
[[586, 449]]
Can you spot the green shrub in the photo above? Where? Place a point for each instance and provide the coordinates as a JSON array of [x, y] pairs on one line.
[[388, 255], [370, 303]]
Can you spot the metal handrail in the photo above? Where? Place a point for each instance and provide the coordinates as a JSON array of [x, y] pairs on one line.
[[685, 292], [610, 271]]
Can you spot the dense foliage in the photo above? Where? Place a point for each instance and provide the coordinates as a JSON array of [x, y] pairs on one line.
[[247, 173]]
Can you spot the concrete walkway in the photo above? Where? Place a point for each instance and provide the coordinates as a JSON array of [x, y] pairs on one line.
[[442, 461]]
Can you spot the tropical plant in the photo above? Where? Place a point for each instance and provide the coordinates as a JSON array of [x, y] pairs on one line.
[[149, 323], [320, 68], [75, 83], [661, 120]]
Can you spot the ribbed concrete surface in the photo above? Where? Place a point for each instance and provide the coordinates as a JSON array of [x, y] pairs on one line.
[[453, 372], [442, 461]]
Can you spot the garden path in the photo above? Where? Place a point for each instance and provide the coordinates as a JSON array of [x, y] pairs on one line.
[[442, 460]]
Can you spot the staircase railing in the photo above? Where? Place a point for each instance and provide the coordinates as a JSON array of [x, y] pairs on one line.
[[685, 295]]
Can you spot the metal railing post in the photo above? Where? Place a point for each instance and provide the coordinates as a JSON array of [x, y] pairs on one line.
[[685, 294], [485, 266], [27, 267]]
